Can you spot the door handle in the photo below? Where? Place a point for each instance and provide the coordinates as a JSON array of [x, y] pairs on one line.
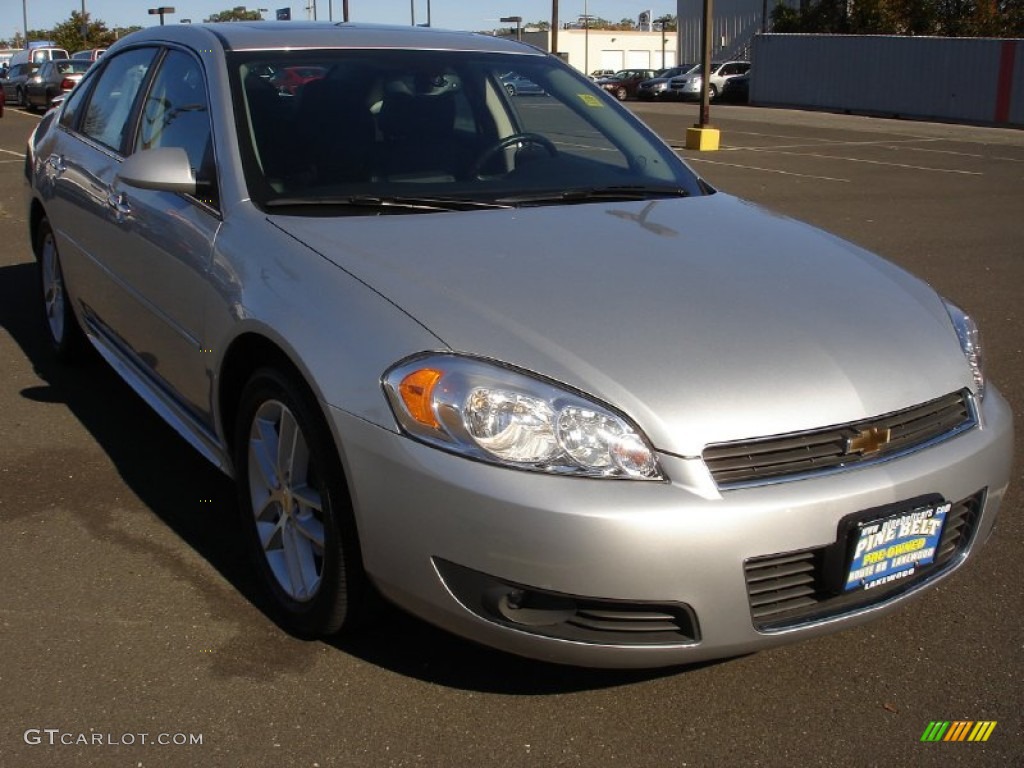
[[56, 165], [118, 201]]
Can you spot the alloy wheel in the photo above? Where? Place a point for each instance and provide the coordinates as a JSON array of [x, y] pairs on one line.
[[286, 501]]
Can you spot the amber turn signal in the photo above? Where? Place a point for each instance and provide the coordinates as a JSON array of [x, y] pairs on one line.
[[417, 391]]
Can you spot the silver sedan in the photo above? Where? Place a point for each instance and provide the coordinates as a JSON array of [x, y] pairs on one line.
[[508, 363]]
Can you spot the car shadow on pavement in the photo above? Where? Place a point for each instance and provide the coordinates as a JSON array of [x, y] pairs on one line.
[[198, 504], [411, 647]]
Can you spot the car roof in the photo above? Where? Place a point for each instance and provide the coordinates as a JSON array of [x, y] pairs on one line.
[[297, 35]]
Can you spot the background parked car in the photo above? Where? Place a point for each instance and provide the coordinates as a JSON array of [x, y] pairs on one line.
[[90, 55], [688, 86], [17, 80], [517, 85], [2, 102], [599, 73], [625, 82], [736, 89], [55, 77], [657, 87], [39, 54]]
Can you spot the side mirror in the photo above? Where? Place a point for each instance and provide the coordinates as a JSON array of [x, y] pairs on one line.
[[165, 168]]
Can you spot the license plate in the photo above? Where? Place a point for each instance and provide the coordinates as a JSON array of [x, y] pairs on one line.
[[895, 547]]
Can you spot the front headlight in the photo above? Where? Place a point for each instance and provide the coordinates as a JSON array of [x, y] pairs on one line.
[[970, 342], [503, 416]]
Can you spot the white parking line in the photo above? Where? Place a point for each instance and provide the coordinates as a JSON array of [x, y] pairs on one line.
[[906, 137], [12, 152], [9, 111], [968, 154], [875, 162], [830, 144], [766, 170]]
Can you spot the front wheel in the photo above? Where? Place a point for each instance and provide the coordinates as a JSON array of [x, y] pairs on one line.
[[621, 93], [296, 508]]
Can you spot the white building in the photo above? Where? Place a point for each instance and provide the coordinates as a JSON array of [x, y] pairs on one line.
[[592, 49]]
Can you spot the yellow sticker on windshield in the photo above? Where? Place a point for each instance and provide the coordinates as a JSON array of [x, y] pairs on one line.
[[590, 100]]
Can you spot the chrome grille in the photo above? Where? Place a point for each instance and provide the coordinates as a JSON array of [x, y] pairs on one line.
[[797, 455], [795, 588]]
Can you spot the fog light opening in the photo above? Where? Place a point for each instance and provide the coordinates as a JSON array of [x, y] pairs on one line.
[[531, 609]]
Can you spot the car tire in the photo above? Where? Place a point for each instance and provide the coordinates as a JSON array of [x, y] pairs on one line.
[[712, 92], [65, 335], [22, 98], [296, 510], [621, 93], [510, 89]]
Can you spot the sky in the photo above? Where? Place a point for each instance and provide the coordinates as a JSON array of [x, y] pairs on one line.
[[476, 15]]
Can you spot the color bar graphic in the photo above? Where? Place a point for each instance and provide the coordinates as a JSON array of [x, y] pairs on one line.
[[935, 731], [958, 730]]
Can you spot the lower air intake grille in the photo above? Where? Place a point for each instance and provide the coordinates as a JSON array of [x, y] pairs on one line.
[[797, 588], [568, 617]]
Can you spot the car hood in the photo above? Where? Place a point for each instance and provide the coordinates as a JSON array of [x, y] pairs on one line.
[[704, 319]]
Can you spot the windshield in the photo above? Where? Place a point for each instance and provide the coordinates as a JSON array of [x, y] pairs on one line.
[[355, 127]]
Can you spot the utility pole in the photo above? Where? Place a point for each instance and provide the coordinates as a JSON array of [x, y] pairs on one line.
[[702, 136], [554, 27]]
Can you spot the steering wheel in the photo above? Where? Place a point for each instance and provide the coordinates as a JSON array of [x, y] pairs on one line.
[[509, 141]]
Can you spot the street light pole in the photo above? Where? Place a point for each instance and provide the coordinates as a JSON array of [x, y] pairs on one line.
[[518, 21], [161, 11]]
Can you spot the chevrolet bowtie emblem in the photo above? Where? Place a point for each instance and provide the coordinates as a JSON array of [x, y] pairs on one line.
[[868, 441]]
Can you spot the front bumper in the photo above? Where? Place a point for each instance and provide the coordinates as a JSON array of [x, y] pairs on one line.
[[686, 91], [438, 532]]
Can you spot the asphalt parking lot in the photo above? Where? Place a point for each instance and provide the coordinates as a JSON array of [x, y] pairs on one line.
[[128, 617]]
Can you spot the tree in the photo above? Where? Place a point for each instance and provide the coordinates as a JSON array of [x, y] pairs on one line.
[[40, 34], [68, 34], [237, 14], [667, 23], [950, 18]]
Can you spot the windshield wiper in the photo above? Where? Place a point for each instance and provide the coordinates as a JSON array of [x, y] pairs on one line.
[[421, 204], [590, 194]]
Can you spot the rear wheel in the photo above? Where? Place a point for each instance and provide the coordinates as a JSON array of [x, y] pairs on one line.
[[296, 508], [65, 335]]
